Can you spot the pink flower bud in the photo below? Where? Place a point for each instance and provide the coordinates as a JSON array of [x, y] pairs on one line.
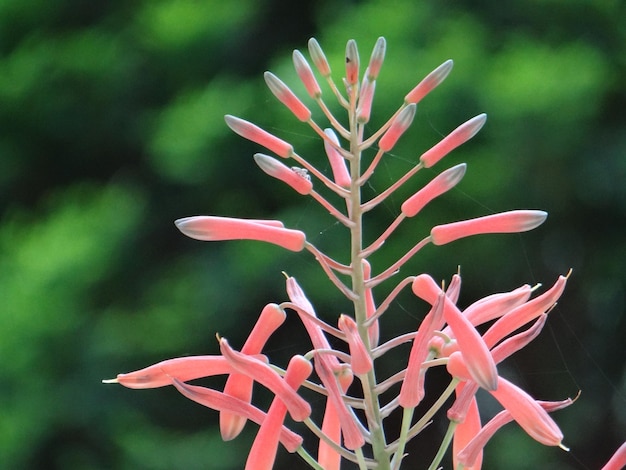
[[318, 57], [337, 162], [225, 403], [376, 59], [361, 362], [504, 222], [306, 75], [239, 385], [210, 228], [299, 182], [430, 82], [366, 97], [400, 124], [439, 185], [370, 306], [262, 454], [287, 97], [249, 131], [352, 63], [458, 136], [262, 373]]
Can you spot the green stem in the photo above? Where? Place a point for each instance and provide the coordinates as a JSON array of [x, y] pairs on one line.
[[444, 446]]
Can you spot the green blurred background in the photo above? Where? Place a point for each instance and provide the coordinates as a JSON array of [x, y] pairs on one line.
[[111, 127]]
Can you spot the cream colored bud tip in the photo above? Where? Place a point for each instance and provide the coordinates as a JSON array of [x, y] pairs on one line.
[[110, 381]]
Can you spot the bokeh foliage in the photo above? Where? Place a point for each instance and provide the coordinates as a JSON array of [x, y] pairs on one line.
[[111, 127]]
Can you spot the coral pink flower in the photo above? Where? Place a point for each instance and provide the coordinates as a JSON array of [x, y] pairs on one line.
[[471, 454], [366, 98], [262, 373], [528, 413], [524, 313], [504, 222], [240, 385], [225, 403], [211, 228], [249, 131], [287, 97], [399, 125], [475, 352], [263, 451], [458, 136], [412, 391], [302, 184], [439, 185], [370, 306], [465, 432], [182, 368], [429, 83], [326, 366]]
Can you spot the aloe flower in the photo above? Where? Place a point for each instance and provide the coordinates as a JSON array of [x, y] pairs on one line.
[[349, 392]]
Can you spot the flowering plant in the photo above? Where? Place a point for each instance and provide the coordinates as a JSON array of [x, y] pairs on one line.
[[353, 425]]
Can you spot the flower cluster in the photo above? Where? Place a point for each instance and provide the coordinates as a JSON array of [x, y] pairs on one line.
[[356, 402]]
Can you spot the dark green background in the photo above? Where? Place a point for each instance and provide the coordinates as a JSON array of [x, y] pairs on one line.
[[111, 127]]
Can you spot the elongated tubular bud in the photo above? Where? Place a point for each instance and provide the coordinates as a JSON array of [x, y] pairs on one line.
[[298, 408], [240, 385], [361, 362], [458, 136], [211, 228], [618, 460], [352, 63], [504, 222], [250, 131], [370, 306], [430, 82], [399, 125], [366, 97], [274, 168], [465, 431], [341, 175], [262, 454], [306, 75], [287, 97], [376, 59], [221, 402], [318, 57], [439, 185]]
